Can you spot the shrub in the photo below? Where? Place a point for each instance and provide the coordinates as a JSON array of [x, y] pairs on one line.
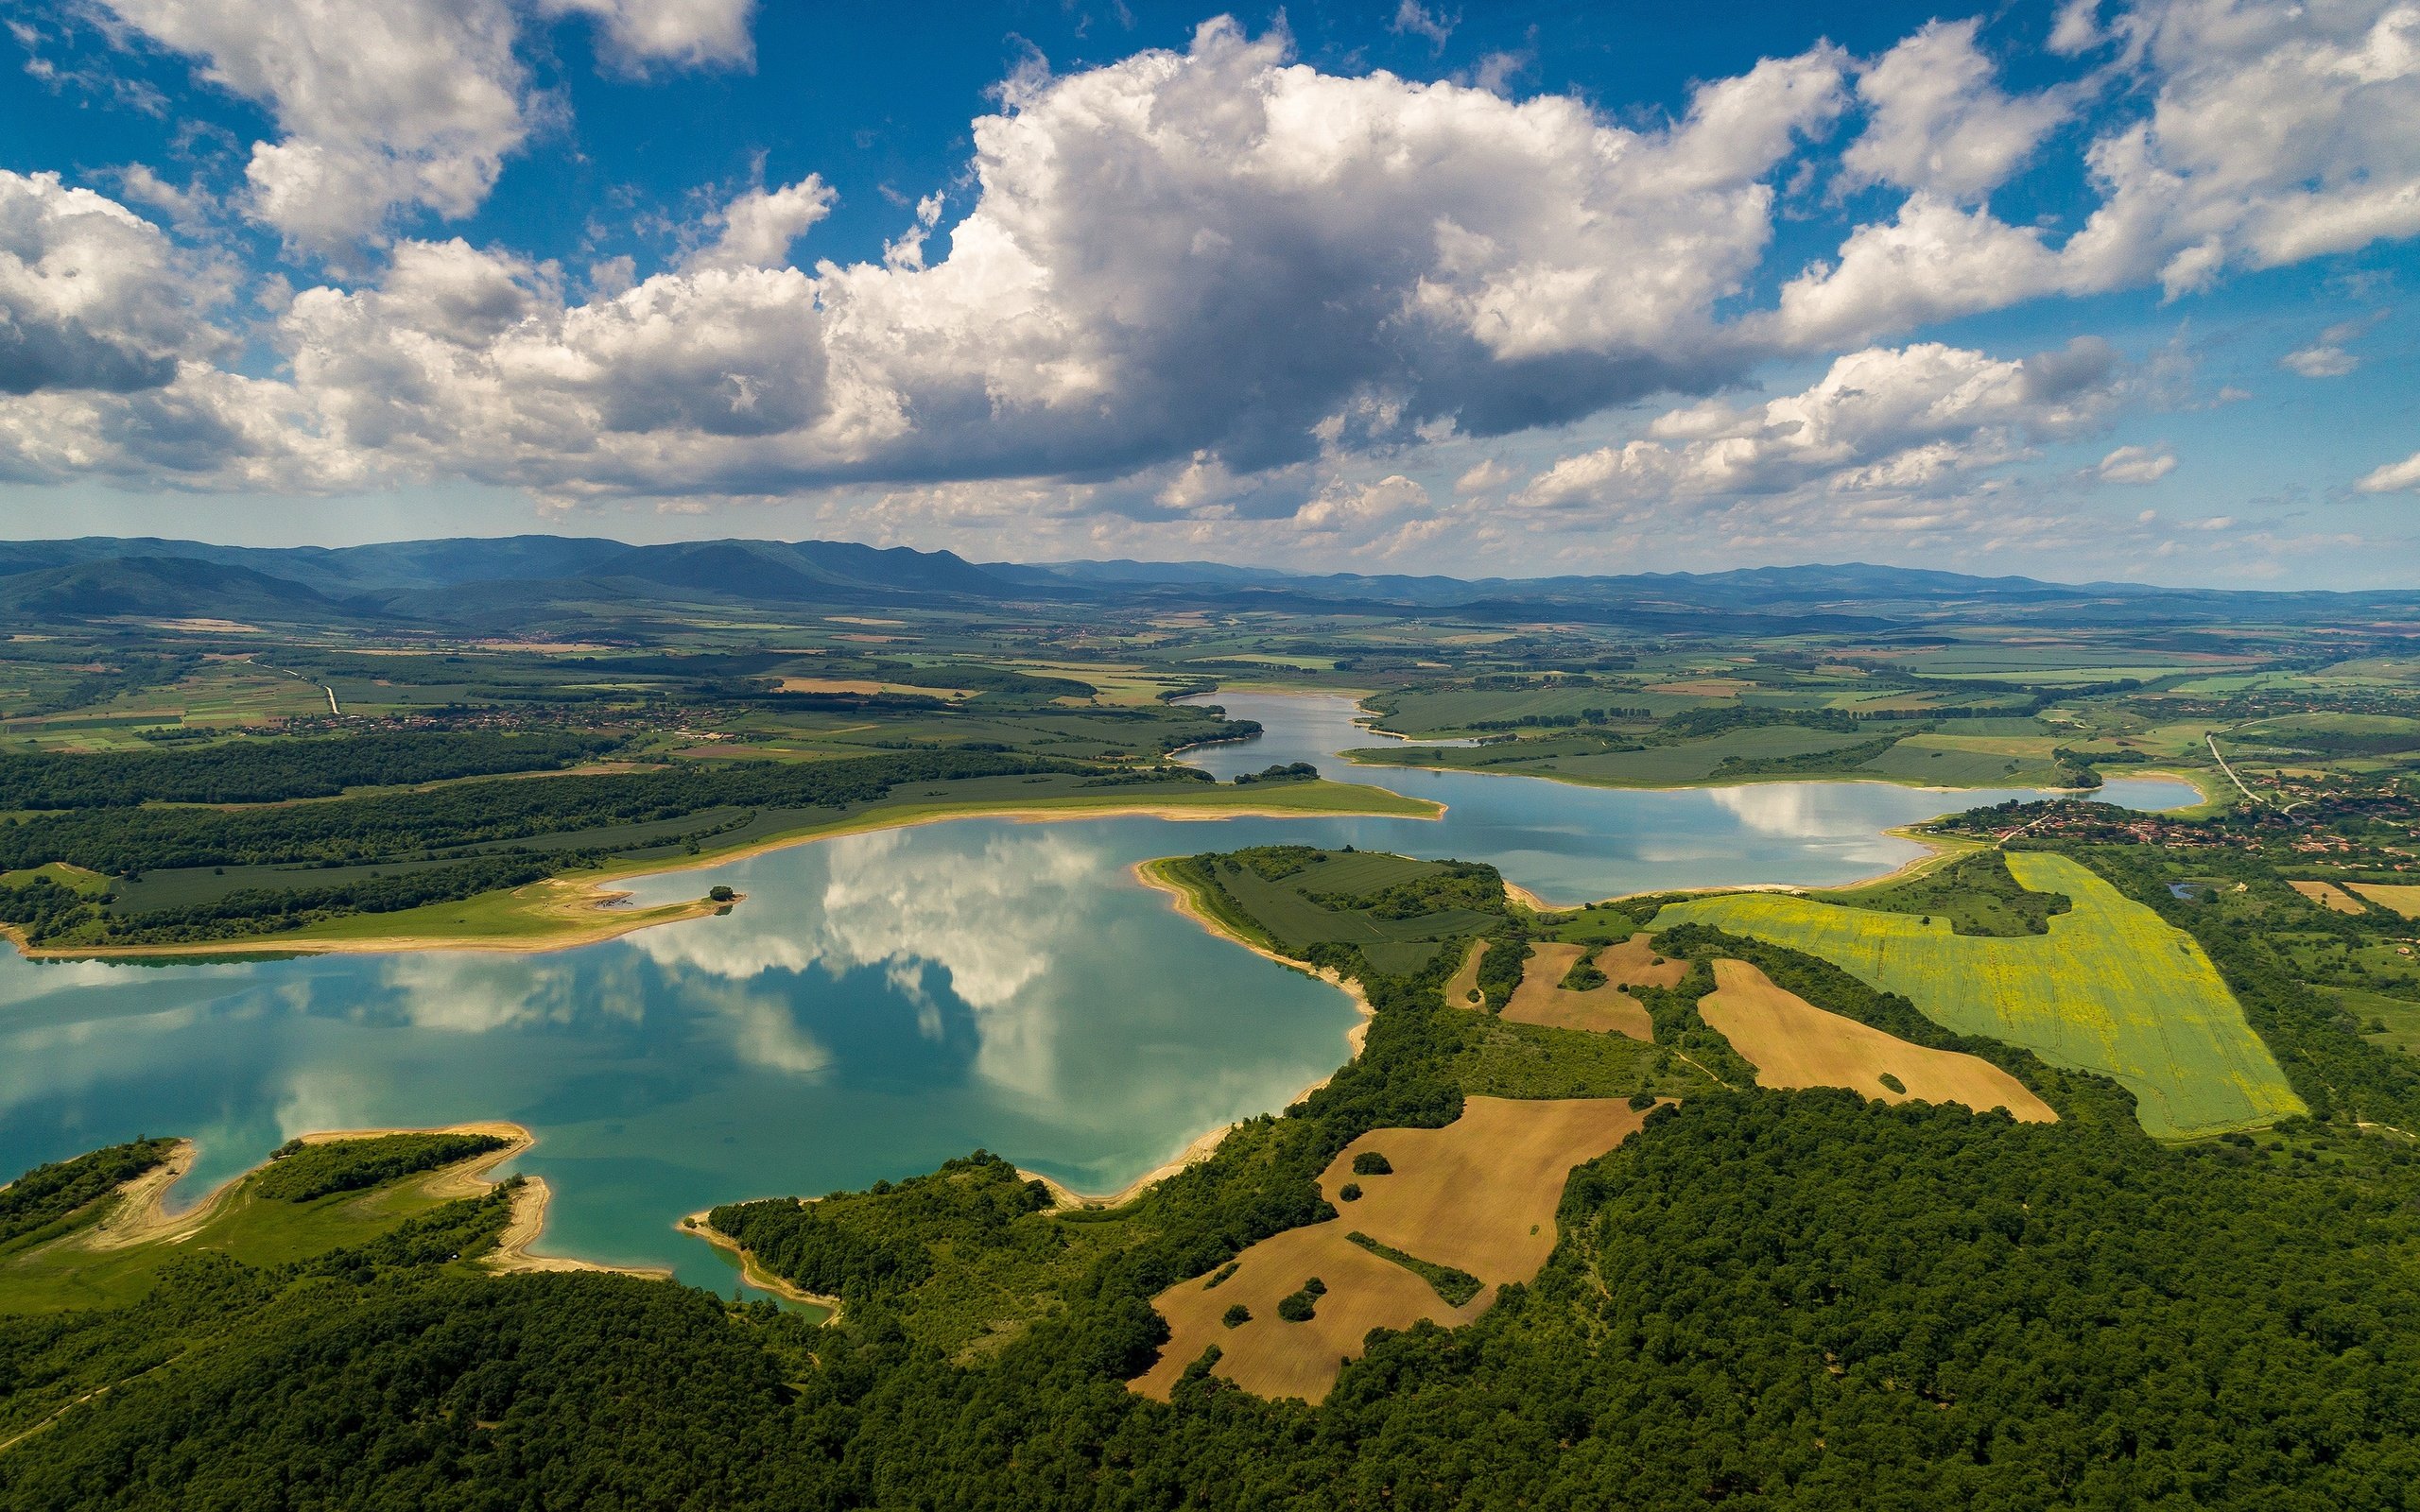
[[1235, 1317], [1370, 1163], [1350, 1192]]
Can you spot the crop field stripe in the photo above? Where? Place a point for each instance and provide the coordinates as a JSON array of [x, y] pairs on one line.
[[2112, 988]]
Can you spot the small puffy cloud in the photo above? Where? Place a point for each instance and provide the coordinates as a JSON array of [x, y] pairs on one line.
[[758, 228], [2326, 357], [1483, 475], [1360, 505], [2136, 464], [638, 34], [2395, 477], [92, 295], [410, 104], [1936, 122], [1417, 20], [2320, 362], [2077, 28], [1932, 262]]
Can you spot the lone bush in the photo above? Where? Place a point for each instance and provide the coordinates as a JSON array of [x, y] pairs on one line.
[[1370, 1163], [1235, 1317], [1350, 1192]]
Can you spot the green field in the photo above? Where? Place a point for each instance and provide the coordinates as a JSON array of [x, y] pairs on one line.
[[2111, 989], [69, 1272], [1961, 760], [1451, 710], [2394, 1022], [1582, 759], [1297, 897], [1969, 761]]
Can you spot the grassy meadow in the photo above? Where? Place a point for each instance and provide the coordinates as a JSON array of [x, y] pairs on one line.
[[2111, 988]]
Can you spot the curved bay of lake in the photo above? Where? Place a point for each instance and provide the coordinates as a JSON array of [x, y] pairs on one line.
[[880, 1002]]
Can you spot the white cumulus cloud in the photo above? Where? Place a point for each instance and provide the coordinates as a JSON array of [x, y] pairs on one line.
[[2136, 464], [690, 33], [92, 295], [2395, 477], [2275, 134], [1880, 421], [1938, 123], [410, 103]]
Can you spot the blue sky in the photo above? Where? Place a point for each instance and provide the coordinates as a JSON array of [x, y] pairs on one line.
[[2076, 290]]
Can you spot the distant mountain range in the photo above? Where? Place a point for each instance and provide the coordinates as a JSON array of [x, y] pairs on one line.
[[520, 584]]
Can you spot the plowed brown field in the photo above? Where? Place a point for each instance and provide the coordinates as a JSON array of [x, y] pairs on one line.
[[1606, 1009], [1479, 1194], [1793, 1043]]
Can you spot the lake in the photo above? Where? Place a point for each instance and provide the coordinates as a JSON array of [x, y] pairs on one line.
[[879, 1002]]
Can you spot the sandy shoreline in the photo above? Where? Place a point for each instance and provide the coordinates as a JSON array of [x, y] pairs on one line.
[[140, 1214], [696, 1226]]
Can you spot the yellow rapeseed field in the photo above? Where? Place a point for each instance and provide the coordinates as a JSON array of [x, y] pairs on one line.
[[2112, 988]]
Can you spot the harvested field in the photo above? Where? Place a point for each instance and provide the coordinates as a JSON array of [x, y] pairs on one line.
[[1791, 1042], [1478, 1195], [1606, 1009], [2112, 989], [1634, 963], [2401, 898], [2332, 897], [1463, 991]]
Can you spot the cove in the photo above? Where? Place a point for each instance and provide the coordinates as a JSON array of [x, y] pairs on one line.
[[880, 1002]]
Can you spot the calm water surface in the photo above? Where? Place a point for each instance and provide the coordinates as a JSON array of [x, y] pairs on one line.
[[880, 1002]]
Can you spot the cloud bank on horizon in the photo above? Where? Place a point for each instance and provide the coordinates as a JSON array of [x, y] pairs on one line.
[[2110, 287]]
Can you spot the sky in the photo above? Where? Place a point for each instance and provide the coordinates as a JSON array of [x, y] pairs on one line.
[[2077, 290]]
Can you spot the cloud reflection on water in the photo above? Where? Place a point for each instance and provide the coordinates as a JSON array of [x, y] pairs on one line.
[[991, 921]]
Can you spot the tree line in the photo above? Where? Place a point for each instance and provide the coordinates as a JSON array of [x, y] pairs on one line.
[[271, 771]]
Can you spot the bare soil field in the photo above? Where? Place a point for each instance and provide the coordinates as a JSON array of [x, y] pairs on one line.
[[2328, 896], [1477, 1195], [1605, 1009], [1793, 1043]]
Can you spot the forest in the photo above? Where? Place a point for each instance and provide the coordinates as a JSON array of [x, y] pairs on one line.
[[274, 770]]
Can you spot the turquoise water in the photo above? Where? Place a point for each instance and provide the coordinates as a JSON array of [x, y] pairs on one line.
[[880, 1002]]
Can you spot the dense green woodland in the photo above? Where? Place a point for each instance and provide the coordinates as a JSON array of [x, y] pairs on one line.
[[299, 1172], [264, 771], [48, 1194], [118, 841], [1766, 1299]]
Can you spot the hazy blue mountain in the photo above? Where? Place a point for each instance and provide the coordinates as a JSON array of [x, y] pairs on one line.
[[528, 582], [164, 588]]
